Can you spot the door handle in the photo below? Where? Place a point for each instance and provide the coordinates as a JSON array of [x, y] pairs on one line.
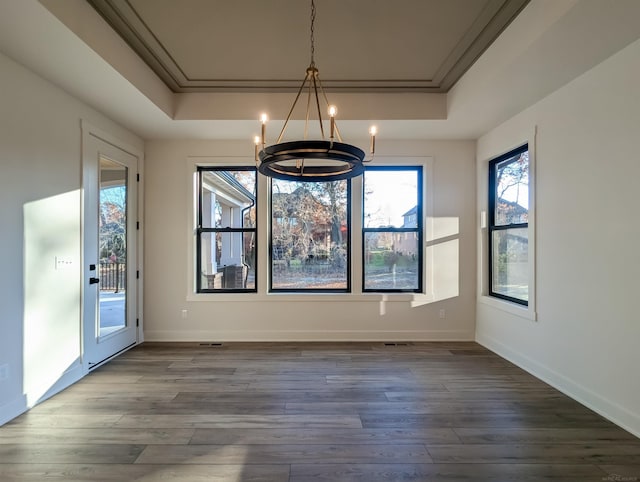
[[93, 281]]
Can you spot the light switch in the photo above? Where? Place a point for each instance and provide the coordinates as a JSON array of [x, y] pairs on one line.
[[63, 262]]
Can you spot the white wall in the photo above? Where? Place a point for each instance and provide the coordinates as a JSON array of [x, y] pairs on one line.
[[218, 317], [585, 340], [40, 180]]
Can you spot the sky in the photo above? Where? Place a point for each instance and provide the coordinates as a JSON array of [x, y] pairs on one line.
[[393, 193]]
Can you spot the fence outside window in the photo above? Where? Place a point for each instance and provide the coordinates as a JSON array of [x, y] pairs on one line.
[[113, 277]]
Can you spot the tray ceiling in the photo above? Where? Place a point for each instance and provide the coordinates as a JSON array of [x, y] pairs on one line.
[[263, 45]]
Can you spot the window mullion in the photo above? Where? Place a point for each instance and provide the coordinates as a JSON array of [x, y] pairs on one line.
[[509, 226]]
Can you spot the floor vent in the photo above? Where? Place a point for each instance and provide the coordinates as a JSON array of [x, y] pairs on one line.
[[396, 344], [213, 345]]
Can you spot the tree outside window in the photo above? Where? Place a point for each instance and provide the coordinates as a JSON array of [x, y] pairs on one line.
[[309, 235]]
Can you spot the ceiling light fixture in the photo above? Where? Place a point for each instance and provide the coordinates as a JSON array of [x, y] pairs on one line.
[[311, 160]]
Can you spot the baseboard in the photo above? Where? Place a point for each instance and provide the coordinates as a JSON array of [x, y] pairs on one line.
[[610, 410], [305, 336], [13, 409]]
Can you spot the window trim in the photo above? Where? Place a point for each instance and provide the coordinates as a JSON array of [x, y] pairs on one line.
[[199, 230], [419, 229], [347, 289], [492, 227]]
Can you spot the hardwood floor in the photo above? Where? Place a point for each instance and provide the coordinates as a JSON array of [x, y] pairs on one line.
[[314, 412]]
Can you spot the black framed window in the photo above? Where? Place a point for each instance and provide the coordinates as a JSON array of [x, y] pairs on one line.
[[310, 236], [508, 225], [392, 234], [226, 229]]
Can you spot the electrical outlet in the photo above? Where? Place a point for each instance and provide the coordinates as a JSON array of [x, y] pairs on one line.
[[442, 314], [185, 313], [4, 372]]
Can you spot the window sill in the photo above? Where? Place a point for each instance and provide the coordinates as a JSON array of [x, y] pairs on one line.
[[526, 312], [311, 297]]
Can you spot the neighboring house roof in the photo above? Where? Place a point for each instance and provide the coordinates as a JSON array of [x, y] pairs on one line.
[[514, 205], [413, 210], [513, 210], [232, 181], [225, 184]]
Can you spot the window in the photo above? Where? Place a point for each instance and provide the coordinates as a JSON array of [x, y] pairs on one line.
[[310, 236], [392, 229], [309, 244], [509, 226], [226, 230]]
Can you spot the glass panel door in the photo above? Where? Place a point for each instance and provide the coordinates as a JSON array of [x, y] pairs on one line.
[[110, 265], [112, 247]]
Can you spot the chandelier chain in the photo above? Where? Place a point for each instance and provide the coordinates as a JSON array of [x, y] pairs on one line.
[[313, 19]]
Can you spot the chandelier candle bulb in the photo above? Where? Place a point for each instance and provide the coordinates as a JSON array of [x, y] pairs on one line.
[[373, 131], [332, 114], [263, 119]]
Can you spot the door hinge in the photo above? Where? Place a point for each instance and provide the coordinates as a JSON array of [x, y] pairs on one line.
[[137, 177], [137, 321], [137, 274], [137, 225]]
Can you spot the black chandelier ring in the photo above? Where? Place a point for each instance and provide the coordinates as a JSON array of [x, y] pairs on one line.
[[349, 160]]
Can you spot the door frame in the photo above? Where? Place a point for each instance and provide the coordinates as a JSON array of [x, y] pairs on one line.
[[89, 131]]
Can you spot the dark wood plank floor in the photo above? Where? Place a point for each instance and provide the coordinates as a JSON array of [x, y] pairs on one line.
[[314, 412]]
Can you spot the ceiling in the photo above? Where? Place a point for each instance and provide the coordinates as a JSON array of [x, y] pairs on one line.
[[258, 45], [419, 69]]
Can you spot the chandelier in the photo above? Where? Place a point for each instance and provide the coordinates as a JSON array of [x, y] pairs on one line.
[[311, 160]]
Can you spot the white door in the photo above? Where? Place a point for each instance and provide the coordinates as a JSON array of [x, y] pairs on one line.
[[110, 246]]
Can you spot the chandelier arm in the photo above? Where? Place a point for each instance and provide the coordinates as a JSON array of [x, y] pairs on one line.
[[315, 89], [335, 126], [284, 127], [306, 120]]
